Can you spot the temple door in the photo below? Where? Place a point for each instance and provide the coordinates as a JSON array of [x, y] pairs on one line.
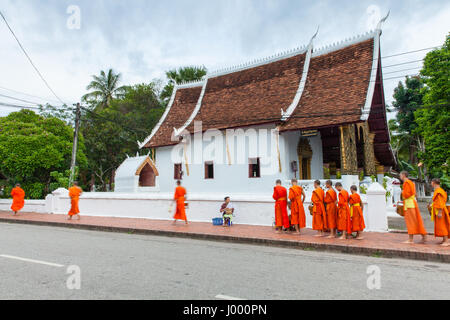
[[304, 153]]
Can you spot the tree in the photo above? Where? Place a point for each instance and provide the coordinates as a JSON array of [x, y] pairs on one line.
[[179, 76], [32, 146], [112, 133], [104, 88], [433, 120], [407, 99]]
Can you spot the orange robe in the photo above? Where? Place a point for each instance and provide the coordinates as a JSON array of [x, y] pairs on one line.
[[344, 219], [297, 210], [180, 213], [441, 225], [319, 213], [281, 214], [330, 201], [18, 196], [74, 194], [356, 213], [413, 219]]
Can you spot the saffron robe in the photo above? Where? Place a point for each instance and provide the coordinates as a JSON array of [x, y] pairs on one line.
[[413, 219], [356, 213], [18, 196], [319, 213], [74, 194], [344, 219], [297, 210], [441, 225], [331, 208], [281, 214], [180, 213]]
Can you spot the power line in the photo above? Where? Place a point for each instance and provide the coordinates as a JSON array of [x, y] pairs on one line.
[[27, 94], [22, 100], [384, 73], [16, 106], [408, 52], [29, 59], [400, 64]]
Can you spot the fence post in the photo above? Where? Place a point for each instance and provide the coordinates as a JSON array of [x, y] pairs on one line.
[[376, 213]]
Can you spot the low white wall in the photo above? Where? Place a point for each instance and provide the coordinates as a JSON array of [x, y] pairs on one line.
[[250, 209], [30, 205]]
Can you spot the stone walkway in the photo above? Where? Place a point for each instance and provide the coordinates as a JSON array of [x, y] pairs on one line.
[[374, 244]]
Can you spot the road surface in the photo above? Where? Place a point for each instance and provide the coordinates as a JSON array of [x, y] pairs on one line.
[[35, 261]]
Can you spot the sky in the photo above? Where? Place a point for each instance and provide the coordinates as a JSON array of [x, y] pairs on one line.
[[69, 41]]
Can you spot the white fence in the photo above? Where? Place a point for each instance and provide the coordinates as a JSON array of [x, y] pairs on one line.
[[251, 209]]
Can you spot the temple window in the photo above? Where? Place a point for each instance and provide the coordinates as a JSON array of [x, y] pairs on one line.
[[254, 168], [209, 170], [178, 171]]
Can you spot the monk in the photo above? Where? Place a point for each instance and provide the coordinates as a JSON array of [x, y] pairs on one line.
[[413, 219], [319, 214], [297, 197], [179, 198], [331, 208], [356, 212], [74, 194], [18, 196], [344, 219], [439, 213], [281, 214]]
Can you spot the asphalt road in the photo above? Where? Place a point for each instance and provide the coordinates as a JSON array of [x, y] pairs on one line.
[[34, 261]]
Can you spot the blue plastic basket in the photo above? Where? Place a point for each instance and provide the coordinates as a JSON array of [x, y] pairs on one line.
[[217, 221]]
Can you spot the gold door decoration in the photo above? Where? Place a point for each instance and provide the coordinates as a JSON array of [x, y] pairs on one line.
[[349, 161], [304, 153]]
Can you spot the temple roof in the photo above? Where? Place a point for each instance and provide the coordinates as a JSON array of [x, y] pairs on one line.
[[336, 88], [297, 90]]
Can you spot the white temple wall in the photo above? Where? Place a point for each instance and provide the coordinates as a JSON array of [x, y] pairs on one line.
[[228, 178], [252, 142]]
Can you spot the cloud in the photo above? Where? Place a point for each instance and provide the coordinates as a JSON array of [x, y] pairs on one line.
[[142, 39]]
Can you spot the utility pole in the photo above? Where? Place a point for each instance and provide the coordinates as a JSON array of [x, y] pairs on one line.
[[75, 143]]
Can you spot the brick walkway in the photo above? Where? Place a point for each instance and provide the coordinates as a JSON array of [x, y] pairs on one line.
[[375, 244]]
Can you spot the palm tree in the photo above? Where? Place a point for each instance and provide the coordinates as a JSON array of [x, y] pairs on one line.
[[105, 88], [183, 74]]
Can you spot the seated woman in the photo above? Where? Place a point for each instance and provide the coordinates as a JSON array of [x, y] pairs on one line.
[[227, 211]]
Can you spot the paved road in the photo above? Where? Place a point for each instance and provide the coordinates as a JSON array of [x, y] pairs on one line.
[[126, 266]]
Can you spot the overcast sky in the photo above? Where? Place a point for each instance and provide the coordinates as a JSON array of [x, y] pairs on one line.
[[143, 38]]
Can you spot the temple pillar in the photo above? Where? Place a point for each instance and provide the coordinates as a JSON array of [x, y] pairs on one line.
[[380, 172], [369, 153], [349, 161]]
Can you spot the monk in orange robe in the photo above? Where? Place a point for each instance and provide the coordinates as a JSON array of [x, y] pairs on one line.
[[319, 213], [356, 212], [179, 198], [344, 219], [281, 214], [331, 208], [18, 196], [440, 213], [413, 219], [74, 194], [297, 197]]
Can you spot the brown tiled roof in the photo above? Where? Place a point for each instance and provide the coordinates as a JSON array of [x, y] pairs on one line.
[[335, 92], [336, 88], [252, 96], [183, 105]]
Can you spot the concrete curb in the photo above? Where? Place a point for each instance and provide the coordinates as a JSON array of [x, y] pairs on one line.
[[374, 252]]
